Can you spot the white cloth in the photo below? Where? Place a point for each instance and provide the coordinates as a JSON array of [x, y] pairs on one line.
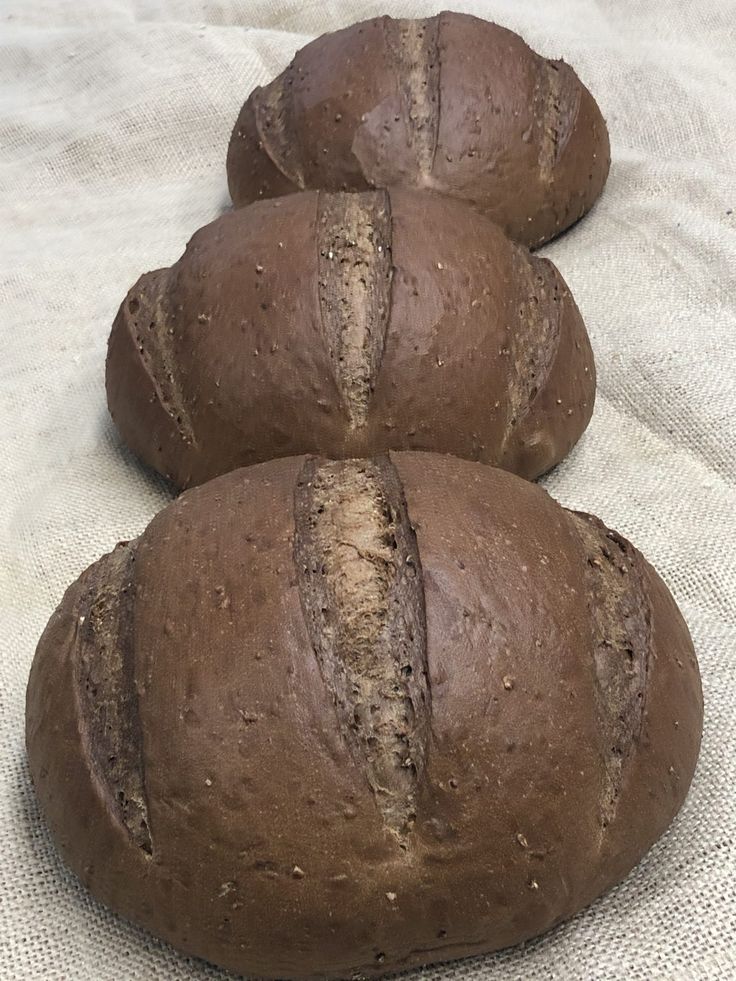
[[114, 121]]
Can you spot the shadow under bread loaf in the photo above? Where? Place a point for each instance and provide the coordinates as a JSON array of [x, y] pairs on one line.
[[336, 718], [346, 325], [451, 104]]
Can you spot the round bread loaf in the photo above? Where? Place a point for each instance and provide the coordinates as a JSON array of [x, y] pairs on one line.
[[345, 325], [451, 104], [329, 719]]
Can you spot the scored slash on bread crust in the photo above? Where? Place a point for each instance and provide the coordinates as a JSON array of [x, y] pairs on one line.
[[620, 622], [146, 315], [354, 280], [106, 690], [399, 136], [415, 48], [361, 589], [273, 111], [559, 94], [535, 337]]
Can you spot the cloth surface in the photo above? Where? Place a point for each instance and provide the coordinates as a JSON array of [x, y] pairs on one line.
[[114, 121]]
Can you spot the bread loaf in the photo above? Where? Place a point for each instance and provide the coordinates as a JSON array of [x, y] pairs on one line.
[[330, 719], [345, 325], [452, 104]]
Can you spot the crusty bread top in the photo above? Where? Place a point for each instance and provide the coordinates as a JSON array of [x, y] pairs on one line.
[[350, 324], [333, 717], [451, 104]]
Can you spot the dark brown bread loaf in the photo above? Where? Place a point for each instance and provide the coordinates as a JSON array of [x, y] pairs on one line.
[[333, 719], [345, 325], [451, 104]]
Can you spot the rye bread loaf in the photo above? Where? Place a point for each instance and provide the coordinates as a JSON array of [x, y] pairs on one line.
[[345, 325], [339, 718], [451, 104]]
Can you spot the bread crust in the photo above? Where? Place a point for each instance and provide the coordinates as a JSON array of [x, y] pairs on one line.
[[452, 104], [286, 835], [345, 325]]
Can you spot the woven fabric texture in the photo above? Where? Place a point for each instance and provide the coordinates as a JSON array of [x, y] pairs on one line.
[[114, 121]]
